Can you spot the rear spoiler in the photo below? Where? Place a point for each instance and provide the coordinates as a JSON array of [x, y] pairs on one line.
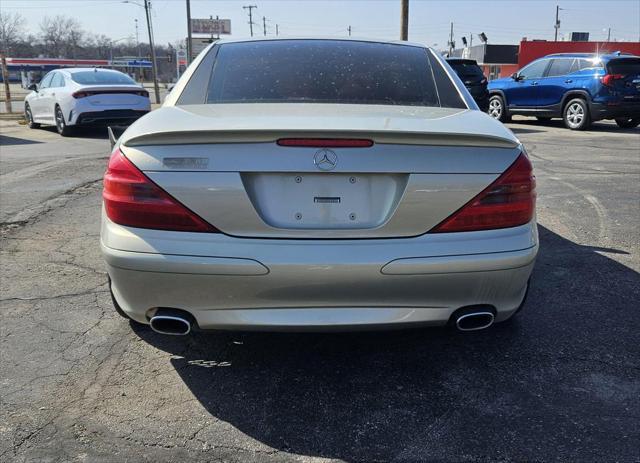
[[256, 136], [112, 131]]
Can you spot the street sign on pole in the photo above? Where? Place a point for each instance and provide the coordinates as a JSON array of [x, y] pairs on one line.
[[199, 44], [130, 63], [181, 61], [210, 26]]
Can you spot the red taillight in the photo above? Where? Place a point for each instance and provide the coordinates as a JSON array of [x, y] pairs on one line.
[[608, 79], [133, 200], [326, 142], [508, 202], [80, 94]]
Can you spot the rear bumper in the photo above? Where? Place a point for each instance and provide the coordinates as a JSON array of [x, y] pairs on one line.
[[613, 110], [110, 116], [262, 284], [480, 95], [482, 100]]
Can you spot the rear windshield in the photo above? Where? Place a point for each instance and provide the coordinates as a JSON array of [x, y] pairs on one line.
[[101, 78], [624, 66], [325, 71], [466, 68]]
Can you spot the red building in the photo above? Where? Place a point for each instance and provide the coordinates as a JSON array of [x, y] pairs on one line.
[[534, 49], [503, 60]]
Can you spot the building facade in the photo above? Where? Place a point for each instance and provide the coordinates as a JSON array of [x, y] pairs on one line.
[[503, 60]]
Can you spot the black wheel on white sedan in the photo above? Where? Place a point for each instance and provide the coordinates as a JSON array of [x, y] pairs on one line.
[[29, 118], [576, 115], [627, 122], [61, 125], [497, 109]]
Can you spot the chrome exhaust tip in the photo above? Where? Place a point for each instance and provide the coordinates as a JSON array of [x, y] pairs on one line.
[[171, 322], [474, 321]]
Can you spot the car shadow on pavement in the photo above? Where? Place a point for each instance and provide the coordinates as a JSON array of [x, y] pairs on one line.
[[521, 130], [84, 132], [599, 126], [6, 140], [560, 381]]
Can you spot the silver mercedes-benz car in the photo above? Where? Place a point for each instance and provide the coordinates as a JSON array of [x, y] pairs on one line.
[[316, 184]]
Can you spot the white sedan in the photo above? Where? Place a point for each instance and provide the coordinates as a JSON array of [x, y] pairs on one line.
[[68, 98]]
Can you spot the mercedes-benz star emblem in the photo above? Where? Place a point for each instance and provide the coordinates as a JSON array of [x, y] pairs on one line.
[[325, 159]]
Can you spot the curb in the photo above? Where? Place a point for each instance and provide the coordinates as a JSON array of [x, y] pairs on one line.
[[11, 116]]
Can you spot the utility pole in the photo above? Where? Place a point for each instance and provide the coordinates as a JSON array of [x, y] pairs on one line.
[[264, 25], [609, 36], [189, 33], [138, 50], [276, 29], [451, 42], [250, 7], [156, 88], [470, 40], [557, 24], [349, 29], [404, 20], [137, 37], [5, 78]]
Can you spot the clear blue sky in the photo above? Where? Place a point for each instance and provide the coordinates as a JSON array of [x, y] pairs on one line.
[[503, 21]]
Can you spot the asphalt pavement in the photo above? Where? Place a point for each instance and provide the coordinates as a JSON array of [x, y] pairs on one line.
[[559, 383]]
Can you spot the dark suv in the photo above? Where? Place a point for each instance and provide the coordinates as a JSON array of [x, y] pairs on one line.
[[472, 78], [580, 88]]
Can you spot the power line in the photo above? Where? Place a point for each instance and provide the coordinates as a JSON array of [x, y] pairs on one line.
[[58, 6]]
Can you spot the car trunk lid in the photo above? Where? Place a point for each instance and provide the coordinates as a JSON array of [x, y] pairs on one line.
[[224, 162], [107, 95], [626, 71]]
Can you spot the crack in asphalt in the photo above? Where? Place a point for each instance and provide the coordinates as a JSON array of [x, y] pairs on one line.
[[59, 296], [33, 213], [86, 361], [21, 174]]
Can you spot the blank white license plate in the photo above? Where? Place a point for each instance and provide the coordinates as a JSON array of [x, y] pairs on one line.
[[324, 200]]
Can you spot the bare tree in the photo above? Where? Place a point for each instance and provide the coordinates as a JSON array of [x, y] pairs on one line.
[[61, 35], [74, 40], [102, 45], [11, 30]]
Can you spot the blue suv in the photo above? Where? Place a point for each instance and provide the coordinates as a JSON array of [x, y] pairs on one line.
[[578, 87]]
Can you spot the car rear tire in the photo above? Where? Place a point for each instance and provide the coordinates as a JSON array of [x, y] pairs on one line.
[[576, 115], [627, 122], [61, 125], [29, 117], [497, 109]]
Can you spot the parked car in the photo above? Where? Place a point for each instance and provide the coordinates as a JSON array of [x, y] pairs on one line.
[[578, 87], [296, 184], [473, 78], [68, 98]]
